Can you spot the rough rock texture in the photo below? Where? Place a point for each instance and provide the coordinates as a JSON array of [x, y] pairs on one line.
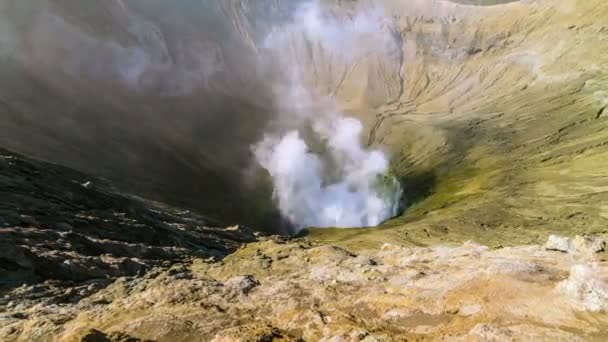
[[277, 290], [81, 262], [578, 245], [59, 224], [586, 287]]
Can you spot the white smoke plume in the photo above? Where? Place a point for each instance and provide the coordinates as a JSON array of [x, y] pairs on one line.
[[343, 184]]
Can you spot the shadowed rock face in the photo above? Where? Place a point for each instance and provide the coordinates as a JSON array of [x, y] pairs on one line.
[[162, 99], [59, 224]]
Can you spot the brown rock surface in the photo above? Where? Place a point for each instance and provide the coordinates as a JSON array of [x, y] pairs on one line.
[[289, 290]]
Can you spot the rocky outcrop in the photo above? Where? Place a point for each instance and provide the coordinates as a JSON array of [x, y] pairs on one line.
[[586, 287], [578, 245], [281, 290], [59, 224], [82, 262], [98, 336]]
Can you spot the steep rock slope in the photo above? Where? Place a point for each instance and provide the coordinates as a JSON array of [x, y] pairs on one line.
[[494, 114], [499, 130], [149, 92], [59, 224]]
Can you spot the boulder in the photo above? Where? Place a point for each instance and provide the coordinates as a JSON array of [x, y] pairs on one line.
[[588, 244], [578, 245], [559, 243], [242, 284], [585, 289]]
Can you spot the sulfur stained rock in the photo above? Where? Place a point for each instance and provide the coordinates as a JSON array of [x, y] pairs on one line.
[[322, 293], [242, 284], [253, 333]]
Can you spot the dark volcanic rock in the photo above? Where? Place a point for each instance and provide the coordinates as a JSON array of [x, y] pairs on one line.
[[56, 223]]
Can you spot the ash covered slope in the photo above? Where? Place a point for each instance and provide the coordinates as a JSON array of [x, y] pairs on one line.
[[499, 128], [164, 99], [59, 224], [494, 115], [161, 98]]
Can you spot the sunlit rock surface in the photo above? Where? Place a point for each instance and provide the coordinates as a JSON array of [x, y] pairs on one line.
[[292, 290]]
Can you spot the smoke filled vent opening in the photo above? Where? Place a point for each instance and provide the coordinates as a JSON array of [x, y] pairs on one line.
[[185, 102], [321, 172], [338, 184]]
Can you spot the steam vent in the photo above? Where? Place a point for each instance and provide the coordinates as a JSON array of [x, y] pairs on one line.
[[303, 170]]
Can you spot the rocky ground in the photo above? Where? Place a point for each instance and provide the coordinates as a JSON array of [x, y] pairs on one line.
[[61, 224], [72, 234], [276, 290]]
